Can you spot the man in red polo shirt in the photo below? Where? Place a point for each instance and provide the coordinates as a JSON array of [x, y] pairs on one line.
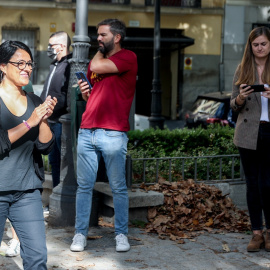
[[112, 73]]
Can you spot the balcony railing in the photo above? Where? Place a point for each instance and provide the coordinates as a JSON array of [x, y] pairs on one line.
[[121, 2], [176, 3]]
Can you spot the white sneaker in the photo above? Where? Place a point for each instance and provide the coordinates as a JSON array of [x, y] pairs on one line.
[[122, 243], [79, 242], [13, 248]]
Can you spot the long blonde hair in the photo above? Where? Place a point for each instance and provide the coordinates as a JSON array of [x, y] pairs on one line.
[[247, 68]]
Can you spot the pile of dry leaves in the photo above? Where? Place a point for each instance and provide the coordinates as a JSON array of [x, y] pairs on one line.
[[190, 209]]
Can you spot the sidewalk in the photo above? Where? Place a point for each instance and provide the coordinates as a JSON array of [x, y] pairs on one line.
[[207, 252]]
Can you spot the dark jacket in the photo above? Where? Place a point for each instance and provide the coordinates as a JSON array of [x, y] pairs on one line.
[[58, 87]]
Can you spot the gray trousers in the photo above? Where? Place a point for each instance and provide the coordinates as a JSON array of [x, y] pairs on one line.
[[24, 210]]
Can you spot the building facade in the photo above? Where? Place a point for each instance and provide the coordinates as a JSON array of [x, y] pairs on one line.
[[194, 57], [241, 16]]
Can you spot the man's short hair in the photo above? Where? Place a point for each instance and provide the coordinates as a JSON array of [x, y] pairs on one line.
[[116, 27], [63, 37]]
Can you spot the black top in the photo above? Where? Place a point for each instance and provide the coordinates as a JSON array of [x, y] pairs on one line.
[[18, 172]]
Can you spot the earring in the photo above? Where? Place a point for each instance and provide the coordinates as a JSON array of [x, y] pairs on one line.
[[2, 75]]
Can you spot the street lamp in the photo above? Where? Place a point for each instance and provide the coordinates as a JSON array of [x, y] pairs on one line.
[[62, 200], [156, 120]]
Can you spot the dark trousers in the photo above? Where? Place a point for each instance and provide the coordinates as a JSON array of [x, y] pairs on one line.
[[55, 154], [24, 210], [256, 164]]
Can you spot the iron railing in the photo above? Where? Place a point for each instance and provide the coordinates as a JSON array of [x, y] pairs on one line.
[[130, 161], [183, 160]]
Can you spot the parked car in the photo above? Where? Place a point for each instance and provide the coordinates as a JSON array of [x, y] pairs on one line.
[[209, 109]]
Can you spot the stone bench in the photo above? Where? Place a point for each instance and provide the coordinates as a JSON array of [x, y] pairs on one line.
[[102, 205], [139, 201]]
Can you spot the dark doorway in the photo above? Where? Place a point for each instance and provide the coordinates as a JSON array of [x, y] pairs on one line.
[[140, 41]]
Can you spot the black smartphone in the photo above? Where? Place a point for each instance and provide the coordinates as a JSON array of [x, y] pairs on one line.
[[258, 87], [81, 76]]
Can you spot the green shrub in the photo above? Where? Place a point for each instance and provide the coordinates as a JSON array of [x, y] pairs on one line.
[[46, 164], [151, 143]]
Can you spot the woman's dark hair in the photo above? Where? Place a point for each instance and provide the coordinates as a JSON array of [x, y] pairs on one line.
[[8, 49]]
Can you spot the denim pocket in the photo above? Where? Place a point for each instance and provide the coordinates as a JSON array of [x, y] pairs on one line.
[[113, 133]]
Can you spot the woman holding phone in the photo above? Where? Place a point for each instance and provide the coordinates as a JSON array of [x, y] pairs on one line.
[[24, 135], [252, 132]]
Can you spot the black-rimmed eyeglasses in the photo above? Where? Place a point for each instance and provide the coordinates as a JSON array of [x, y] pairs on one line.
[[21, 65]]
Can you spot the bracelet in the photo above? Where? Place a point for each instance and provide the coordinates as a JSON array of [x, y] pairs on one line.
[[240, 97], [27, 125]]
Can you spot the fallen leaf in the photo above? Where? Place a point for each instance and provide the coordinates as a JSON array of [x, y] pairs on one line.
[[93, 237], [209, 223], [226, 248], [195, 222], [134, 238], [79, 258], [191, 208]]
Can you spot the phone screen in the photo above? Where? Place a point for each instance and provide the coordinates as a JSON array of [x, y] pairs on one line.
[[81, 76], [258, 87]]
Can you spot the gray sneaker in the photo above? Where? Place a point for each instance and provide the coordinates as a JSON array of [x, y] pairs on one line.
[[13, 248], [79, 242], [122, 243]]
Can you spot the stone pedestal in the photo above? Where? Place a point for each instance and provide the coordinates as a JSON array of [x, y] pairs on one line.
[[63, 197], [62, 200]]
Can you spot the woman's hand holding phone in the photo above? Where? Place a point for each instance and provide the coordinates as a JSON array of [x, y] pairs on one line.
[[244, 90], [266, 93]]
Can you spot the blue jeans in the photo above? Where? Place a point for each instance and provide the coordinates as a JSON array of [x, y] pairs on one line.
[[55, 154], [24, 210], [112, 145]]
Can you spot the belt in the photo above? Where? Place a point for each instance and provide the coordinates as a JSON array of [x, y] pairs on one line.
[[264, 122], [106, 129]]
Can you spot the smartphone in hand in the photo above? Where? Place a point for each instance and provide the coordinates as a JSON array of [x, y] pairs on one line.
[[81, 76], [258, 87]]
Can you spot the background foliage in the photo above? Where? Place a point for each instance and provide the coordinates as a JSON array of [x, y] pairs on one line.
[[215, 140]]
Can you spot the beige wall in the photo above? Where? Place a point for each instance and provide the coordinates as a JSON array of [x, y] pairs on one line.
[[205, 29], [41, 18], [213, 3], [204, 26]]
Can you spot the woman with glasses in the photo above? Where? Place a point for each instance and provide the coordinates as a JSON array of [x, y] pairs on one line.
[[24, 136]]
